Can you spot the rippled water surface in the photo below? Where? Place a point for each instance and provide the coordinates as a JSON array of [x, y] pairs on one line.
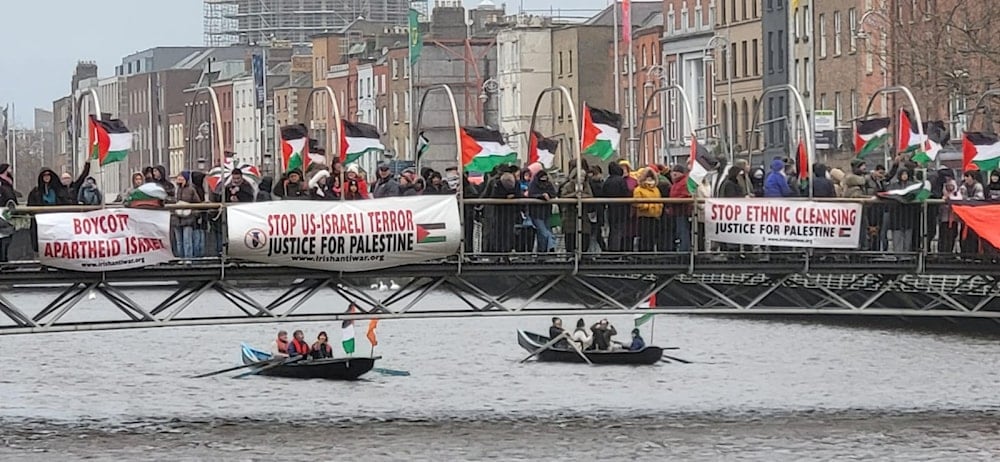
[[757, 390]]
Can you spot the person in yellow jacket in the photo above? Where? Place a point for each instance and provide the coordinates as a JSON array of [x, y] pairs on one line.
[[648, 213]]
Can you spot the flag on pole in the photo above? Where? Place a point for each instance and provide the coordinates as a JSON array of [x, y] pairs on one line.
[[907, 139], [698, 165], [347, 339], [641, 319], [110, 140], [423, 145], [542, 150], [980, 151], [416, 37], [295, 148], [937, 137], [356, 139], [802, 161], [869, 135], [916, 192], [371, 332], [626, 22], [484, 148], [601, 132]]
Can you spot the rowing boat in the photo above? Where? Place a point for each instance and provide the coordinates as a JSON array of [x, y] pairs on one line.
[[329, 368], [532, 342]]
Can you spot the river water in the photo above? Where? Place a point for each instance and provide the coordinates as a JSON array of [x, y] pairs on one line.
[[756, 391]]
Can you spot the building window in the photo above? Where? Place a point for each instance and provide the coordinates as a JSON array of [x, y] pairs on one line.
[[781, 4], [852, 19], [395, 69], [745, 9], [822, 101], [756, 58], [734, 11], [723, 15], [807, 22], [822, 36], [836, 33], [957, 108], [725, 65], [770, 52], [837, 114], [745, 54], [560, 63], [854, 104], [569, 67], [645, 59], [756, 14], [732, 59], [781, 51]]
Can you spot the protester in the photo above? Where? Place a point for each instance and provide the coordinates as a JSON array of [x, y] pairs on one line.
[[8, 197], [89, 194]]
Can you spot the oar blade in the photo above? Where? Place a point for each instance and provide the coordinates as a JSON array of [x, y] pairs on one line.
[[392, 372], [230, 369]]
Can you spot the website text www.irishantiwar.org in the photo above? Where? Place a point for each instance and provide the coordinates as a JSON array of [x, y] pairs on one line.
[[105, 264], [341, 259]]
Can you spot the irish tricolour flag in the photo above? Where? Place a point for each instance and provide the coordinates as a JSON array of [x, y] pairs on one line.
[[601, 132], [698, 165], [484, 148], [295, 153], [542, 150], [356, 139], [110, 140], [869, 135], [980, 150]]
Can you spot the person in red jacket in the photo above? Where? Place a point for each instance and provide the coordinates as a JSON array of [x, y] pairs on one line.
[[681, 212], [298, 345]]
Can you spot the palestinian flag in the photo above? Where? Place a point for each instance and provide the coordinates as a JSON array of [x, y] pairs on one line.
[[937, 137], [869, 135], [601, 132], [423, 145], [980, 151], [295, 148], [484, 148], [916, 192], [802, 161], [698, 165], [146, 195], [426, 231], [908, 140], [542, 150], [641, 319], [356, 139], [110, 140]]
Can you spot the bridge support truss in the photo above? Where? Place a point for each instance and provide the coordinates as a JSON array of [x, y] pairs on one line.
[[176, 296]]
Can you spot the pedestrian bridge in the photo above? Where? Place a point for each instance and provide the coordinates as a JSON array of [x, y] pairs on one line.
[[710, 279]]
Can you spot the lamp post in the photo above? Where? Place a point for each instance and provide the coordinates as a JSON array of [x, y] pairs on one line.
[[883, 60], [722, 43], [490, 87], [658, 71]]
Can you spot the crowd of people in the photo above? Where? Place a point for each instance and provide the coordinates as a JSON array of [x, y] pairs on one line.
[[530, 228]]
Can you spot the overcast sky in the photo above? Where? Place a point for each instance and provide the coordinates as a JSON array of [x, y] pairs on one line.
[[45, 38]]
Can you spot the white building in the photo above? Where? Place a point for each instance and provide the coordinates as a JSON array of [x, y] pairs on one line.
[[686, 36], [246, 122], [367, 92], [524, 53]]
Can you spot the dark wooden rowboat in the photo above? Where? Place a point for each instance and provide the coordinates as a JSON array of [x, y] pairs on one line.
[[532, 342], [329, 369]]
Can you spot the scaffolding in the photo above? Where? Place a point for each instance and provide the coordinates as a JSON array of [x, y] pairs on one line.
[[247, 22]]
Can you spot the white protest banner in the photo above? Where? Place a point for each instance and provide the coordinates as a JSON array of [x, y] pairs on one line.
[[783, 223], [348, 236], [104, 240]]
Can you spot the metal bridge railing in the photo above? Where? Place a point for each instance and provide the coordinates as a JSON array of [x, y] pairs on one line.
[[897, 237]]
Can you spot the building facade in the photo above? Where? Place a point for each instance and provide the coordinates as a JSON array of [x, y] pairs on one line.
[[737, 22], [773, 118], [247, 129], [524, 57], [688, 37], [574, 66]]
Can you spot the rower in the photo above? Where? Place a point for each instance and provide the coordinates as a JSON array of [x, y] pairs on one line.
[[603, 331], [556, 330], [298, 345], [279, 347]]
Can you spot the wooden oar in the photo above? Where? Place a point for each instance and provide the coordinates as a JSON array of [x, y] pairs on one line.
[[579, 352], [271, 366], [677, 359], [258, 363], [394, 372], [545, 347]]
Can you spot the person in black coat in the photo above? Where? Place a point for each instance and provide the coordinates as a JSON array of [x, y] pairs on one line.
[[503, 218], [49, 192], [618, 214], [7, 197], [822, 186]]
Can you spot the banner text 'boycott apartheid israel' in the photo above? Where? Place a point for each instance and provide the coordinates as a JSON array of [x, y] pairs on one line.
[[783, 223], [345, 235], [104, 240]]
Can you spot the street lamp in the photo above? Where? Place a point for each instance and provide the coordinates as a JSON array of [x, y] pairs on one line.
[[490, 87], [660, 73], [722, 43], [860, 34]]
